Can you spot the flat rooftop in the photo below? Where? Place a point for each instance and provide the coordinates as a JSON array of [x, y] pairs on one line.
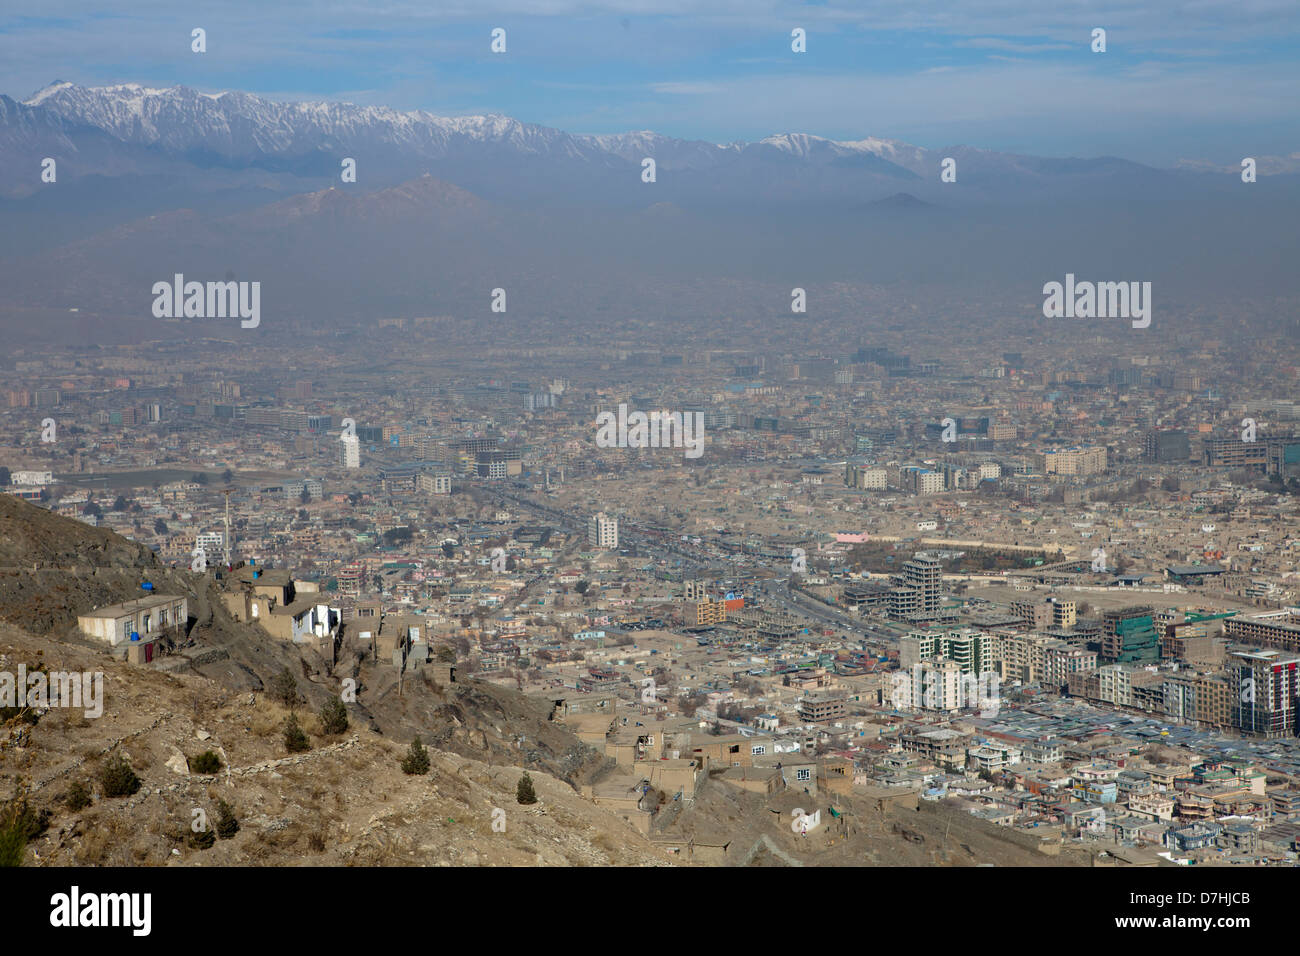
[[138, 604]]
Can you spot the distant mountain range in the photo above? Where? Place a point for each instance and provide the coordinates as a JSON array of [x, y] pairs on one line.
[[234, 139], [154, 182]]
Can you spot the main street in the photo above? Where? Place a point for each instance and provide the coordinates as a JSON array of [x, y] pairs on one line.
[[701, 559]]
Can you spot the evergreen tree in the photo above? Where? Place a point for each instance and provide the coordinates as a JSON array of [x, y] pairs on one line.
[[117, 778], [284, 688], [295, 740], [416, 760], [227, 825], [524, 793], [333, 717]]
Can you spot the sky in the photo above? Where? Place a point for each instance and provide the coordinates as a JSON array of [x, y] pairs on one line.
[[1180, 79]]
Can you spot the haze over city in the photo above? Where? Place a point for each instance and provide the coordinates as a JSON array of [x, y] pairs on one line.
[[626, 435]]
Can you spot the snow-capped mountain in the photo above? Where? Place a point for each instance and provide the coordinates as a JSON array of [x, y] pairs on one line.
[[152, 182], [238, 125], [205, 142]]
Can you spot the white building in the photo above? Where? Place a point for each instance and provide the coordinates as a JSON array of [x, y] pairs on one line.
[[928, 685], [143, 617], [210, 541], [867, 479], [31, 477], [434, 483], [992, 756], [602, 531], [350, 451]]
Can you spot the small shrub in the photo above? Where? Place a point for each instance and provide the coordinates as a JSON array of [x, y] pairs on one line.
[[295, 740], [333, 717], [524, 793], [207, 763], [20, 823], [284, 688], [117, 778], [227, 825], [205, 839], [77, 797], [416, 760]]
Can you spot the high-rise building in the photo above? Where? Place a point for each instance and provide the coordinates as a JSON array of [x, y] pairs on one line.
[[931, 685], [1267, 685], [916, 596], [602, 531], [973, 651], [1235, 453], [864, 477], [436, 483], [1064, 613], [1083, 460], [920, 481], [1129, 636], [1168, 444], [350, 451], [705, 613]]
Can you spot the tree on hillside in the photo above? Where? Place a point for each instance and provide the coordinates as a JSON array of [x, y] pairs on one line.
[[227, 824], [117, 778], [20, 823], [295, 740], [333, 717], [524, 792], [284, 688], [416, 760]]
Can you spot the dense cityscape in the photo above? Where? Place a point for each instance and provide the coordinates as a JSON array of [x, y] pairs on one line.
[[1107, 548], [598, 436]]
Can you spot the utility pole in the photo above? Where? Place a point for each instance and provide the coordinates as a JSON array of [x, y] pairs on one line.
[[229, 560]]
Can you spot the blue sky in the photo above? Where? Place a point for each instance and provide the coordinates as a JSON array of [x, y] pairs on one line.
[[1180, 78]]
